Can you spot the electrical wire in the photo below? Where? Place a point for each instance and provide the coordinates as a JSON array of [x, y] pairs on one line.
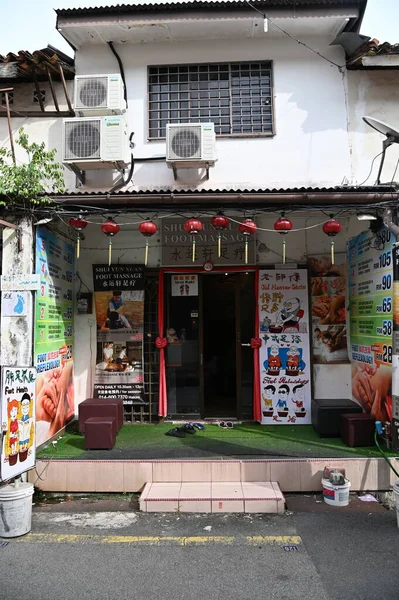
[[264, 15], [371, 169], [384, 456]]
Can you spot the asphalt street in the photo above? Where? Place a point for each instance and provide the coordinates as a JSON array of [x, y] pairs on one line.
[[100, 552]]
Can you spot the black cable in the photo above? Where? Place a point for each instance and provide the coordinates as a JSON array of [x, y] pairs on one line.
[[371, 169], [121, 69]]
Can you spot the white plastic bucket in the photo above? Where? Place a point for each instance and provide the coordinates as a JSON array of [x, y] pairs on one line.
[[396, 492], [336, 495], [15, 509]]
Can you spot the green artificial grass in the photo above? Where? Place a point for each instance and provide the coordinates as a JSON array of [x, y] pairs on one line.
[[244, 440]]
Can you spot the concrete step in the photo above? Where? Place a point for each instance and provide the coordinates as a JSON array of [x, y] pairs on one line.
[[213, 497]]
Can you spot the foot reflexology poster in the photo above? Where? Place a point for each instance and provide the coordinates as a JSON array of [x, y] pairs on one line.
[[119, 299], [371, 314], [284, 354]]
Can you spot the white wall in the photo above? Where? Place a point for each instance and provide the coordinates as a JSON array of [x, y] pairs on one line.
[[374, 94], [330, 381], [310, 147]]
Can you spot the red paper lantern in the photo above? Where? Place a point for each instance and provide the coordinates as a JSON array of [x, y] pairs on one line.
[[110, 228], [332, 228], [220, 222], [246, 227], [193, 226], [78, 224], [283, 226], [147, 229]]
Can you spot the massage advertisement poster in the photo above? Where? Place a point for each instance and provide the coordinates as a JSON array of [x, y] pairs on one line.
[[18, 391], [284, 354], [119, 300], [370, 308], [328, 293], [53, 350]]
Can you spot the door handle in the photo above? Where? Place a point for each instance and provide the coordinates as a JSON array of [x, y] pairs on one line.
[[245, 344]]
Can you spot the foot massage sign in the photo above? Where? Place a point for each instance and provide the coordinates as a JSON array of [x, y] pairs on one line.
[[18, 392], [53, 334], [371, 313], [284, 354], [119, 298]]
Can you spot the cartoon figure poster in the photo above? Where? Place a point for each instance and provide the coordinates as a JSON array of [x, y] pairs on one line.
[[18, 386], [284, 354]]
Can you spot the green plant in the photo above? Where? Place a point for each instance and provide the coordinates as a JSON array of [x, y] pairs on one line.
[[29, 183]]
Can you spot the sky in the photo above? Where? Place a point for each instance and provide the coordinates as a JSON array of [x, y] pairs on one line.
[[30, 24]]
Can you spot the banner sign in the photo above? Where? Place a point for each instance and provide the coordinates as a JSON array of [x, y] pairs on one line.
[[18, 451], [284, 355], [53, 354], [177, 244], [119, 299], [370, 308], [184, 285], [395, 352], [328, 291]]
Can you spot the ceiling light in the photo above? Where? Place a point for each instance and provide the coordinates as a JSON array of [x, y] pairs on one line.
[[366, 217]]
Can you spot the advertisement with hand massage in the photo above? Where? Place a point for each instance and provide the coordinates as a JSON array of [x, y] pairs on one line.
[[53, 334], [371, 316]]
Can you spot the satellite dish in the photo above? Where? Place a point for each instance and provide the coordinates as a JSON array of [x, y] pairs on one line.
[[392, 137]]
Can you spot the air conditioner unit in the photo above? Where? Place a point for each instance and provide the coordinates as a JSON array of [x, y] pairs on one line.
[[190, 145], [95, 143], [99, 95]]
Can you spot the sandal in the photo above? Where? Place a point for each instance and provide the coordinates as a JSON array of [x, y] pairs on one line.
[[226, 424], [198, 426], [187, 428], [177, 432]]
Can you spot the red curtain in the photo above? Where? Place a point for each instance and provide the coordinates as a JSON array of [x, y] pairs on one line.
[[257, 416], [163, 400]]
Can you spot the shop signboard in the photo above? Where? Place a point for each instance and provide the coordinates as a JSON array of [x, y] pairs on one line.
[[371, 321], [177, 244], [17, 410], [328, 300], [184, 285], [119, 301], [14, 304], [53, 351], [395, 352], [284, 355]]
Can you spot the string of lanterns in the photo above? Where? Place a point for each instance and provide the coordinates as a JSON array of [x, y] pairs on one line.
[[193, 226]]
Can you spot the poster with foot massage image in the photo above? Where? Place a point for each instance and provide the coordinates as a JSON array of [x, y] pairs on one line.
[[284, 354], [119, 300], [17, 451], [371, 321]]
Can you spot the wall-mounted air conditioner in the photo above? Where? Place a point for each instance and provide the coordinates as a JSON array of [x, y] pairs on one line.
[[190, 145], [95, 143], [99, 95]]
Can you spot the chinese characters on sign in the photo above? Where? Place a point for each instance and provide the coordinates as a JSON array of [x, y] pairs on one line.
[[17, 452], [328, 290], [370, 308], [177, 245], [184, 285], [119, 299], [53, 334], [284, 354]]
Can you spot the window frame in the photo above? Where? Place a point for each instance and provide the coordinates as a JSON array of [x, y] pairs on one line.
[[266, 134]]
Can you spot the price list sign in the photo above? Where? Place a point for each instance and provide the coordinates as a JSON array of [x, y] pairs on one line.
[[54, 331], [371, 320]]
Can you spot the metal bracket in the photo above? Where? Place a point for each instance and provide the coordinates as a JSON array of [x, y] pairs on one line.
[[80, 175], [205, 178]]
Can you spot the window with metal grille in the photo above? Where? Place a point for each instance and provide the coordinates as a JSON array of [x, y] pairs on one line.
[[36, 96], [236, 97], [3, 98]]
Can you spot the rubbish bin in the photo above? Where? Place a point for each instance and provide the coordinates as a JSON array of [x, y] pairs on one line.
[[15, 509]]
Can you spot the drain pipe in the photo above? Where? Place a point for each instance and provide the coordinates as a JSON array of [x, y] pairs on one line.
[[394, 426]]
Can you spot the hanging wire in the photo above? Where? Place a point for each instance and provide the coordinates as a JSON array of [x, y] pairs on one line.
[[371, 169], [264, 15]]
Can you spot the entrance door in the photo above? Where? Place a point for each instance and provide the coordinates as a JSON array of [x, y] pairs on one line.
[[226, 360]]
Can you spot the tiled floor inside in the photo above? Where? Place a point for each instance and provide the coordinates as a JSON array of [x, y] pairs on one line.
[[213, 497]]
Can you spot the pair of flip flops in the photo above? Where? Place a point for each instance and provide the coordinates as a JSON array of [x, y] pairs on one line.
[[226, 424], [181, 431]]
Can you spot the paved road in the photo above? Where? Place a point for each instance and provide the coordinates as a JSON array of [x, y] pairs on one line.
[[118, 555]]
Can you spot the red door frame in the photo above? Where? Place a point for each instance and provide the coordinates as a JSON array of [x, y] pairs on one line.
[[161, 342]]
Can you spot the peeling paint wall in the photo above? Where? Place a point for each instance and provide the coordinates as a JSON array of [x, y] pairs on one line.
[[17, 332]]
